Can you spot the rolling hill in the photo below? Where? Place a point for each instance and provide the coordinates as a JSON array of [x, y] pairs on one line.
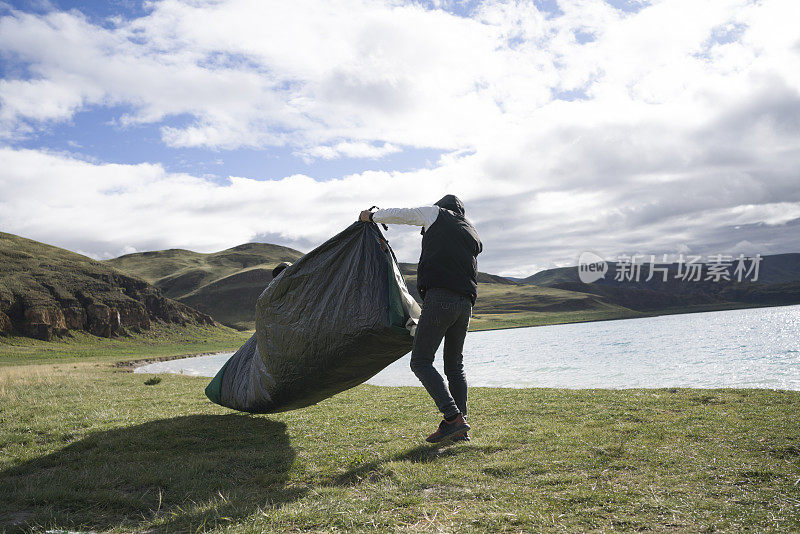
[[226, 285], [223, 284], [46, 291], [503, 302]]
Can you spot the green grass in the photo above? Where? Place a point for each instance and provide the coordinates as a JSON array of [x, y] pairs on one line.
[[232, 298], [161, 265], [494, 321], [513, 306], [33, 274], [506, 298], [162, 341], [86, 446]]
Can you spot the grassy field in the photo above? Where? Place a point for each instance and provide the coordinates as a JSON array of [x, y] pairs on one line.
[[162, 341], [87, 446], [494, 321], [512, 306]]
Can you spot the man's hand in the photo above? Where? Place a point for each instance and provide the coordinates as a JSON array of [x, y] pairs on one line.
[[365, 215]]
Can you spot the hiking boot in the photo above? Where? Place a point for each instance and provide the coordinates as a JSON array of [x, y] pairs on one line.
[[464, 436], [457, 427]]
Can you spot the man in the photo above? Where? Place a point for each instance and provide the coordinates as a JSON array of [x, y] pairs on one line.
[[447, 282], [279, 269]]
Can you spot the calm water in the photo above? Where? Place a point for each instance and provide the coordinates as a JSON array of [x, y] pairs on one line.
[[753, 348]]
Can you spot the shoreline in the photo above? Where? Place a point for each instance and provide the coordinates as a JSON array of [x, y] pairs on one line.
[[133, 365], [129, 366], [644, 315]]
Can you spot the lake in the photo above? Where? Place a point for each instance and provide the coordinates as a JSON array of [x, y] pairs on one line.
[[751, 348]]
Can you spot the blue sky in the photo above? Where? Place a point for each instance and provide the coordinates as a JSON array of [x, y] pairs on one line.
[[94, 133], [619, 126]]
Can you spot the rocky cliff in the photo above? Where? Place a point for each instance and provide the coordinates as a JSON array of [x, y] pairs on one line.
[[46, 291]]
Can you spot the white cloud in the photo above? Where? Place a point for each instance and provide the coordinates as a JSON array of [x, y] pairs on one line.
[[348, 149], [683, 132], [106, 208]]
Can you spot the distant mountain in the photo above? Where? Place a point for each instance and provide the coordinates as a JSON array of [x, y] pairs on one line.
[[224, 284], [780, 269], [773, 269], [227, 284], [778, 283], [47, 291]]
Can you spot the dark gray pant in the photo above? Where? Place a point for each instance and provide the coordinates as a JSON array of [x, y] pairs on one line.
[[445, 315]]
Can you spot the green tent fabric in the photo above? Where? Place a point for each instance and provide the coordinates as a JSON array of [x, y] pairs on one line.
[[327, 323]]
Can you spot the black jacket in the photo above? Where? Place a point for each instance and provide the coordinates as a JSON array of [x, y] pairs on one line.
[[450, 247]]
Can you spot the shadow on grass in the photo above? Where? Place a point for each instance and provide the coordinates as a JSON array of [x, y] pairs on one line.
[[177, 473], [374, 470]]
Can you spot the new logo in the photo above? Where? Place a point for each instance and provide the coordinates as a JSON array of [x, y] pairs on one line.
[[591, 267]]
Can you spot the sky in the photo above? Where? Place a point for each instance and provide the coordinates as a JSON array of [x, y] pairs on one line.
[[613, 126]]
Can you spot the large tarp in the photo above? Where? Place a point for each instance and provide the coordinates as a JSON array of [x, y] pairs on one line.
[[327, 323]]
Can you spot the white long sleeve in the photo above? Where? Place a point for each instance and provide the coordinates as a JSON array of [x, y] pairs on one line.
[[423, 216]]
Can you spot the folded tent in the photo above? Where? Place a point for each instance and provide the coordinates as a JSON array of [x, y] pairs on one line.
[[327, 323]]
